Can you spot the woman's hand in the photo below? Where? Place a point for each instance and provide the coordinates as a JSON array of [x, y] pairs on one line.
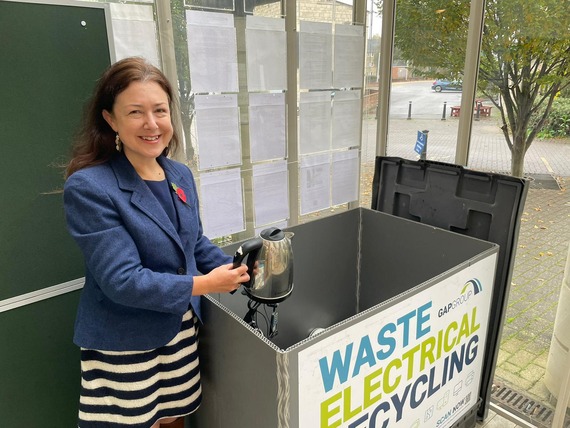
[[222, 279]]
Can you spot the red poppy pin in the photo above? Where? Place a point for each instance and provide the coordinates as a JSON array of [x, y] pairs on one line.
[[179, 192]]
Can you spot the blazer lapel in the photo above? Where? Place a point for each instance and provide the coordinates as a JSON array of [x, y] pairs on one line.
[[183, 209], [142, 197]]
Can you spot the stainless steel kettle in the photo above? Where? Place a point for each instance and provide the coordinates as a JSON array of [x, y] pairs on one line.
[[269, 265]]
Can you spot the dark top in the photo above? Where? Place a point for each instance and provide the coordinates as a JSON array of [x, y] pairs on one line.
[[163, 192]]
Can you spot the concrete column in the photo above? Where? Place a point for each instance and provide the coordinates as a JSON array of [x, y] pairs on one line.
[[474, 38], [557, 378], [385, 70], [292, 100], [168, 59]]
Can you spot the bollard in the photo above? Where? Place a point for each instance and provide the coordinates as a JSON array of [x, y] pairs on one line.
[[444, 108], [410, 110], [423, 155], [478, 111]]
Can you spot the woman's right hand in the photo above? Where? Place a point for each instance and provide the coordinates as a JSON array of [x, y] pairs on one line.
[[222, 279]]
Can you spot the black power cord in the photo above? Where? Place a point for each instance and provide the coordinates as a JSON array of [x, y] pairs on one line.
[[251, 317]]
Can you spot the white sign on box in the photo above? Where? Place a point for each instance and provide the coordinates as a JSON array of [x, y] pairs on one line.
[[415, 364]]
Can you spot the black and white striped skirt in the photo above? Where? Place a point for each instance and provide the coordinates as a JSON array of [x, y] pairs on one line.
[[135, 389]]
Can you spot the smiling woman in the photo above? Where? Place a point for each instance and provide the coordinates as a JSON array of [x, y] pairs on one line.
[[141, 119], [145, 87], [147, 261]]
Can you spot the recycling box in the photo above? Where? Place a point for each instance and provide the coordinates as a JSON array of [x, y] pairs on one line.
[[480, 204], [386, 326]]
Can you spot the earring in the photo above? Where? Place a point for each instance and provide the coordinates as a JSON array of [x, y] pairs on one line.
[[118, 143]]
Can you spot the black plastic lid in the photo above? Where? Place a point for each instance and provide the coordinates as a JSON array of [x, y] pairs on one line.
[[272, 234], [479, 204]]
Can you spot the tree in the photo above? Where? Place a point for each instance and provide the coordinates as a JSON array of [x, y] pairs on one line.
[[525, 56], [183, 71]]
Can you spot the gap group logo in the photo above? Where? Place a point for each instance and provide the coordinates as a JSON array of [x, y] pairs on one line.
[[470, 288], [474, 284]]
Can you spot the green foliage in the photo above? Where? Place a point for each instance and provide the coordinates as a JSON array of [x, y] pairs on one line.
[[432, 35], [524, 58], [558, 122]]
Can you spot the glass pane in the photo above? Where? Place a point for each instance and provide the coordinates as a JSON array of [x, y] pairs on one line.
[[271, 9], [427, 77], [523, 71], [211, 4], [312, 10], [521, 98], [426, 81], [331, 53]]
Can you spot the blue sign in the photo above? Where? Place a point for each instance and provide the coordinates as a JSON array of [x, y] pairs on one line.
[[420, 142]]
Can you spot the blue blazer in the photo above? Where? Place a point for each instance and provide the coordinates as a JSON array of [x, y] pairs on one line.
[[138, 269]]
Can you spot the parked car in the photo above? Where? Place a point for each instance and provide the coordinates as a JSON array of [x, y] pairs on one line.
[[446, 85]]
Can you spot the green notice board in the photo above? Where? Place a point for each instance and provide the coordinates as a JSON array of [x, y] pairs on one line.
[[51, 56], [40, 365]]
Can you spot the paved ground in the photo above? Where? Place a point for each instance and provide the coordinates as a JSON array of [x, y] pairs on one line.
[[543, 243]]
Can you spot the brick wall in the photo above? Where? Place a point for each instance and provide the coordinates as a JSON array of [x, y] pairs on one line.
[[370, 102], [312, 10]]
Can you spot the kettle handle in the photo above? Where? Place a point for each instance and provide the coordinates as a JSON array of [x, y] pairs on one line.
[[251, 249]]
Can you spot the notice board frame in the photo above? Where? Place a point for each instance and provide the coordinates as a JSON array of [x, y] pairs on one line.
[[53, 53]]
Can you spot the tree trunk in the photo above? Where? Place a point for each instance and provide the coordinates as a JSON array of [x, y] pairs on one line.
[[517, 157], [187, 126]]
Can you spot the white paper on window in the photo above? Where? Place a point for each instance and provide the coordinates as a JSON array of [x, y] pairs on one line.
[[346, 119], [134, 32], [217, 131], [221, 202], [266, 53], [345, 176], [267, 127], [315, 55], [212, 50], [315, 182], [314, 122], [270, 192], [348, 56]]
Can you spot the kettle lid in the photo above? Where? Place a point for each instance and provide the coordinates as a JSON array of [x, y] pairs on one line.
[[272, 234]]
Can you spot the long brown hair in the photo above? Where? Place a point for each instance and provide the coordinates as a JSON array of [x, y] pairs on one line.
[[95, 142]]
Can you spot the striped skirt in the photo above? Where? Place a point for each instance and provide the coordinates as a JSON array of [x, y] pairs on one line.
[[135, 389]]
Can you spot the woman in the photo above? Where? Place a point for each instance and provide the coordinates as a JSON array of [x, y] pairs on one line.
[[134, 214]]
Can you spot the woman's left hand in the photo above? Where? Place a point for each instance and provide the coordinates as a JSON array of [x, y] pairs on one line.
[[222, 279]]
